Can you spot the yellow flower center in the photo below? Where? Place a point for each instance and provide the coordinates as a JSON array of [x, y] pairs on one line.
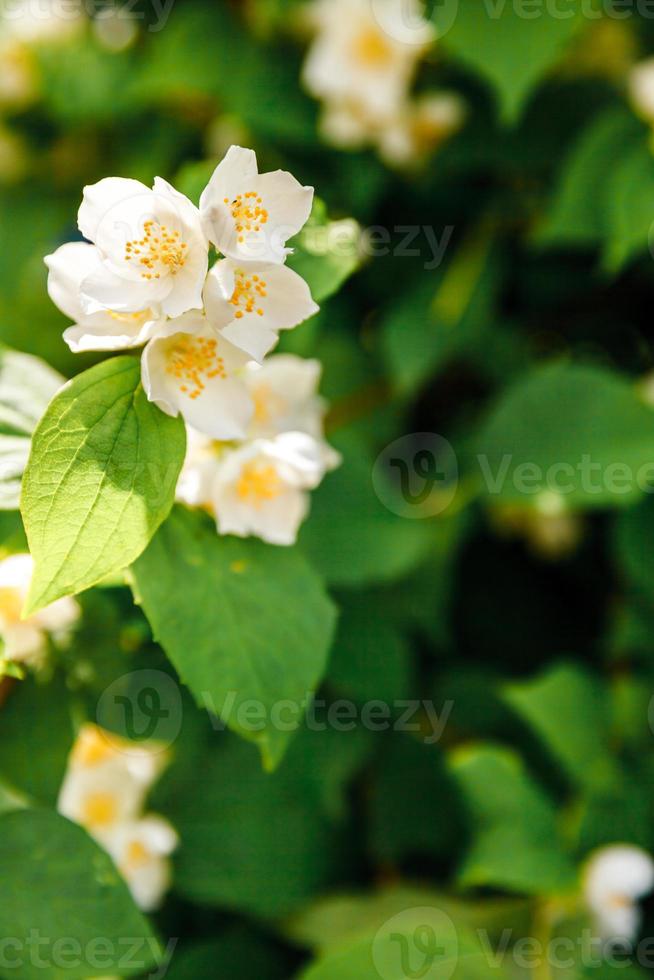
[[267, 404], [160, 252], [248, 293], [258, 483], [92, 747], [137, 855], [192, 361], [99, 810], [372, 49], [132, 319], [248, 213], [11, 606]]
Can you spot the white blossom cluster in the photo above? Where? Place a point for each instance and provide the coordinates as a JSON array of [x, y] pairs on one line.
[[361, 65], [143, 279], [104, 790]]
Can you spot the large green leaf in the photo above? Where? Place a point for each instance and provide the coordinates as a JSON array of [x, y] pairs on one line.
[[33, 757], [578, 212], [509, 43], [64, 905], [350, 536], [569, 434], [100, 480], [252, 841], [434, 321], [26, 386], [568, 708], [515, 844], [630, 206], [250, 624]]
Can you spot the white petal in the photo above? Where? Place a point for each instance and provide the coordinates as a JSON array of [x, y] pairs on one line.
[[118, 334], [238, 165], [104, 290], [250, 337], [222, 408], [67, 267], [102, 197]]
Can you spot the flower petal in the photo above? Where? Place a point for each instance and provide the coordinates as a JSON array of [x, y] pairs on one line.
[[102, 197]]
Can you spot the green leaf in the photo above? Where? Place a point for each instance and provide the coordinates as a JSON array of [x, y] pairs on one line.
[[61, 889], [250, 625], [240, 952], [326, 252], [350, 536], [568, 708], [634, 544], [100, 480], [509, 43], [431, 323], [251, 841], [418, 941], [26, 386], [515, 843], [630, 206], [405, 824], [568, 434], [33, 757], [578, 212]]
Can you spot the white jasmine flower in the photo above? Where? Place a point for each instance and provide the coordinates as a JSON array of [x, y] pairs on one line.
[[421, 128], [104, 790], [640, 84], [187, 368], [152, 248], [249, 216], [251, 302], [68, 267], [285, 394], [366, 50], [260, 488], [140, 850], [615, 878], [26, 641]]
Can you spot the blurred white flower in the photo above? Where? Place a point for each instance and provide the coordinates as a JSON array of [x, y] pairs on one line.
[[104, 790], [250, 303], [26, 640], [285, 394], [44, 21], [19, 76], [365, 53], [640, 83], [421, 127], [249, 216], [140, 850], [615, 878], [116, 28], [188, 369], [152, 250]]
